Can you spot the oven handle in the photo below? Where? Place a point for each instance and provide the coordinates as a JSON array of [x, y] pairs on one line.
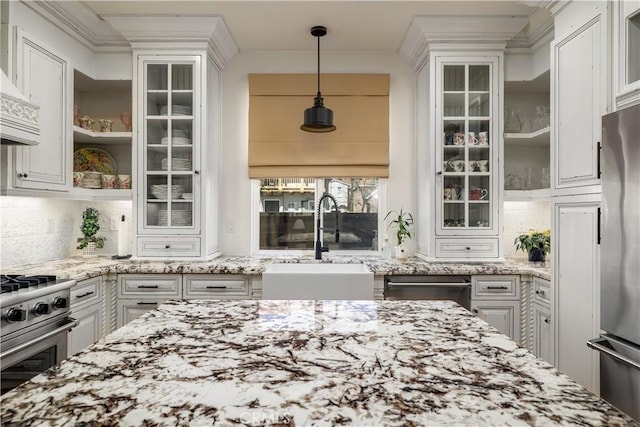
[[70, 325], [430, 284]]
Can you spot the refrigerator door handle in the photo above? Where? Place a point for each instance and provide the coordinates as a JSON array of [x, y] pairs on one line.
[[596, 344]]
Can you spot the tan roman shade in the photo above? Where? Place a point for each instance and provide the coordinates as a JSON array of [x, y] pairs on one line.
[[358, 148]]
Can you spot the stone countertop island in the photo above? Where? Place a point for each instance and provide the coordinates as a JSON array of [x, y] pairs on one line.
[[306, 363]]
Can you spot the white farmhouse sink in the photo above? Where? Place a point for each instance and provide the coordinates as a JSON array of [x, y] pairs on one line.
[[317, 281]]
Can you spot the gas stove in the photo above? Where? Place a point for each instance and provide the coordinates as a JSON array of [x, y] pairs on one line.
[[27, 300], [34, 320]]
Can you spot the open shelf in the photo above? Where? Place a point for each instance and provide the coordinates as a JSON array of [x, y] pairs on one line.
[[538, 138], [526, 195], [88, 136]]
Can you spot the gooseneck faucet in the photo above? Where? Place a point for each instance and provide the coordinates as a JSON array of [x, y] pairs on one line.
[[319, 247]]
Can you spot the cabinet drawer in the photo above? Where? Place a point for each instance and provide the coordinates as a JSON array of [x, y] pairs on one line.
[[150, 285], [86, 292], [495, 287], [466, 248], [541, 291], [217, 286], [169, 246]]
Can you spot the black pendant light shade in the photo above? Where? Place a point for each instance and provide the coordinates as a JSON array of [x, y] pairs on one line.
[[318, 118]]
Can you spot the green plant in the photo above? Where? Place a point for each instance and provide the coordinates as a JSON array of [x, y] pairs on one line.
[[534, 239], [402, 222], [90, 228]]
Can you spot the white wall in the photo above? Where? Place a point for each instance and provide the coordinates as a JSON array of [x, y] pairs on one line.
[[519, 218], [34, 229], [235, 203]]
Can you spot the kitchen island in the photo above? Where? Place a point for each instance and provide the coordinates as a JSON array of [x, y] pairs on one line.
[[358, 363]]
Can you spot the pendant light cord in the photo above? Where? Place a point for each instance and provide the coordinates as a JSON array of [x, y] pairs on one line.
[[318, 65]]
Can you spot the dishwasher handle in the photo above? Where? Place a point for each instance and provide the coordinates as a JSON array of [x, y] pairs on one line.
[[430, 284]]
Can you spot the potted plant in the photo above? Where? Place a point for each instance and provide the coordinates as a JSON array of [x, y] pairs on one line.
[[536, 243], [402, 221], [90, 227]]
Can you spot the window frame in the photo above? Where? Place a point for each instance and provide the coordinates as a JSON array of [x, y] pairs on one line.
[[255, 223]]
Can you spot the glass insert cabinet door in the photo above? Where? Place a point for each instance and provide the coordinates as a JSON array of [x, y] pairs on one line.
[[465, 147], [169, 136]]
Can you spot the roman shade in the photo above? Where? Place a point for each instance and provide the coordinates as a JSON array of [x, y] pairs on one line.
[[278, 148]]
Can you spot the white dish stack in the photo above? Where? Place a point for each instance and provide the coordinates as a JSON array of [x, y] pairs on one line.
[[159, 191], [176, 110], [179, 217], [176, 164]]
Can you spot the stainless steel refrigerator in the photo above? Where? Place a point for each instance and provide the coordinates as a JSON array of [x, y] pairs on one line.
[[619, 240]]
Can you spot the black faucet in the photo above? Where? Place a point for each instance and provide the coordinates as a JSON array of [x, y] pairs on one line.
[[319, 247]]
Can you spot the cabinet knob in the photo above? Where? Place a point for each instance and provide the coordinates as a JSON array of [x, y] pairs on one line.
[[197, 172], [167, 246], [468, 248], [546, 320], [475, 310], [22, 175], [439, 173]]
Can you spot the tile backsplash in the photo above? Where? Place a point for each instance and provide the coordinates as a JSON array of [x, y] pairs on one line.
[[519, 218], [43, 229]]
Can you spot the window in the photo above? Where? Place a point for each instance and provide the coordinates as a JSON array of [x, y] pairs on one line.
[[288, 213]]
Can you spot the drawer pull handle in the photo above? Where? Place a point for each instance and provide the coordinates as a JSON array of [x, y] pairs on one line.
[[540, 292], [147, 286], [468, 248], [167, 246], [546, 320], [216, 287], [147, 303], [497, 287], [85, 295]]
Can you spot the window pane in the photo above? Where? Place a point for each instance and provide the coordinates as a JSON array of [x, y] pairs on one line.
[[358, 213], [287, 213]]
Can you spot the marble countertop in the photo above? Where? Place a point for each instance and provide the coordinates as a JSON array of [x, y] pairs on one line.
[[312, 363], [80, 267]]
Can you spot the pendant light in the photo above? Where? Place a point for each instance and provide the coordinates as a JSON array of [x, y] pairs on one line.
[[318, 118]]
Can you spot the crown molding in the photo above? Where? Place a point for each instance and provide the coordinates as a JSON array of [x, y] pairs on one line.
[[81, 23], [532, 40], [479, 31], [159, 31]]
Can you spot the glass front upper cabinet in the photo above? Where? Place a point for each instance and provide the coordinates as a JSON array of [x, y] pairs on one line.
[[168, 141], [466, 147]]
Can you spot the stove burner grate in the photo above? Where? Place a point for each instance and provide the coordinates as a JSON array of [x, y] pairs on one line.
[[15, 282]]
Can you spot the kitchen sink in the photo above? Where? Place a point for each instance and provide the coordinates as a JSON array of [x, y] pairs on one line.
[[317, 281]]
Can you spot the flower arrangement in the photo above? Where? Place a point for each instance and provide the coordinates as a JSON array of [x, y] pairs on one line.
[[536, 243], [90, 228]]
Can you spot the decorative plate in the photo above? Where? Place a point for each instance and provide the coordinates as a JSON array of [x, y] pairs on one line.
[[94, 159]]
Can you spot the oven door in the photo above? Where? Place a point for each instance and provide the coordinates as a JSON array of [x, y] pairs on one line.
[[27, 353]]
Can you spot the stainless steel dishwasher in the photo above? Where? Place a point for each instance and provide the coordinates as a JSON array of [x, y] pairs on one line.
[[440, 287]]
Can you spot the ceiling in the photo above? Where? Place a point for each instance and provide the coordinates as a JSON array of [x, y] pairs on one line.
[[285, 25]]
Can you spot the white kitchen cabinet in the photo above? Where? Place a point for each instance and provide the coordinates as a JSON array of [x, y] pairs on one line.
[[576, 286], [216, 286], [141, 293], [88, 308], [43, 77], [502, 315], [496, 300], [579, 96], [460, 156], [89, 329], [542, 342], [542, 333], [178, 128]]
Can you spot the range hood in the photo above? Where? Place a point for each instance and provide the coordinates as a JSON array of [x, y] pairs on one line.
[[19, 118]]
